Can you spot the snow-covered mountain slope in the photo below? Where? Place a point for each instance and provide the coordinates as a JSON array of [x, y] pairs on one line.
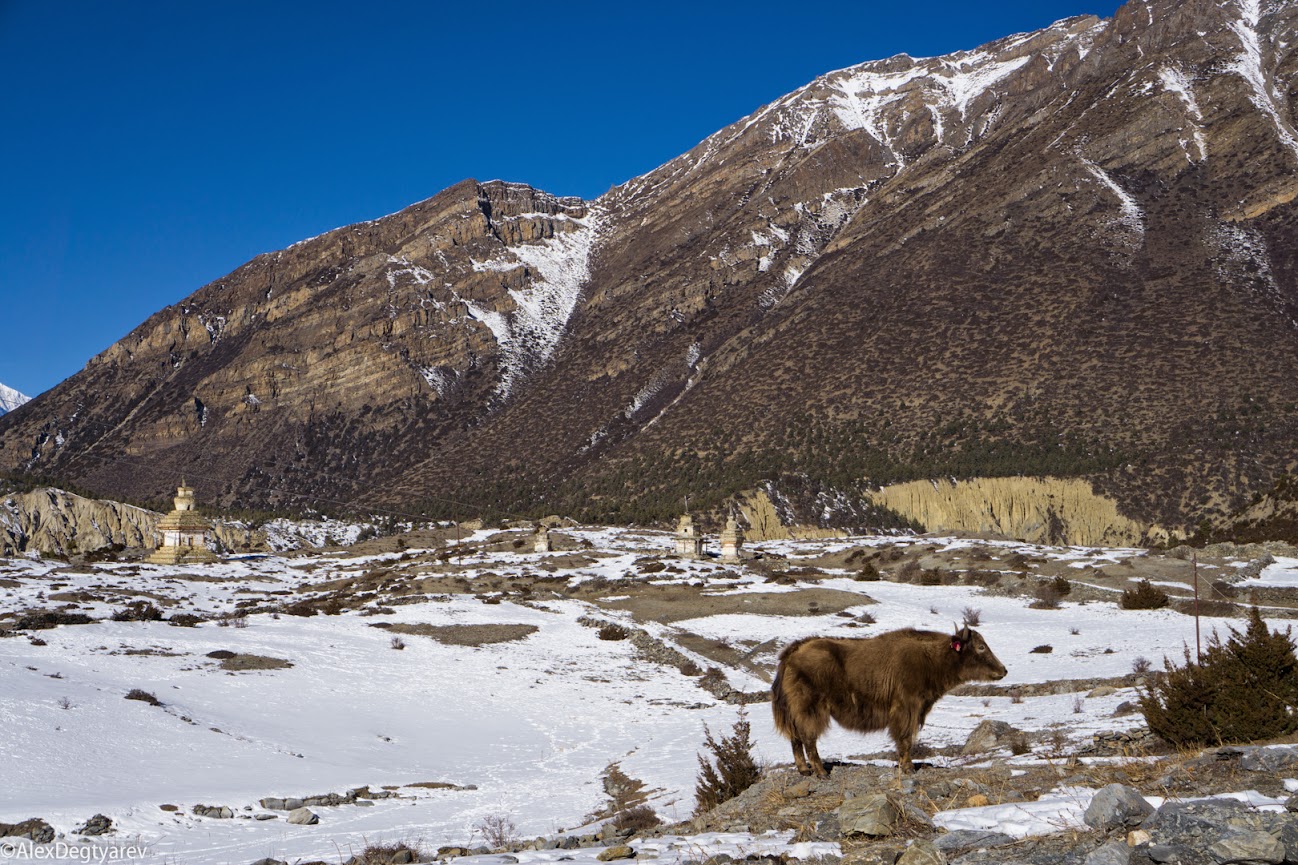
[[1062, 253], [10, 399]]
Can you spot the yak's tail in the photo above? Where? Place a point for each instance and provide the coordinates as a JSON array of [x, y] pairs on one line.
[[779, 699]]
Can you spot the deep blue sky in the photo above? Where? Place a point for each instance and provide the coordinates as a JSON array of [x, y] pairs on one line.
[[151, 147]]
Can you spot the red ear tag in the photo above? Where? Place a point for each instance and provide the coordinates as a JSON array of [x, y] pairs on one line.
[[955, 644]]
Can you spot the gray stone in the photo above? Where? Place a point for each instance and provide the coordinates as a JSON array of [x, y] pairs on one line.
[[1116, 806], [270, 862], [1112, 853], [34, 829], [1275, 759], [215, 812], [1208, 817], [272, 804], [96, 825], [303, 817], [1251, 847], [1173, 854], [962, 840], [868, 815], [922, 852], [264, 817], [621, 851], [1291, 804], [292, 804], [1102, 691], [915, 815], [989, 736]]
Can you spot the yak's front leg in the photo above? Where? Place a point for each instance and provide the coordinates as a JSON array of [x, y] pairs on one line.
[[800, 757]]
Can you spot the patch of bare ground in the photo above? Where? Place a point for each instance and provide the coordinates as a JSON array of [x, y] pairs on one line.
[[674, 603], [467, 635], [239, 663]]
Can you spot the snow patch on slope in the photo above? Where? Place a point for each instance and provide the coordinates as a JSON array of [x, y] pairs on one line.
[[1249, 67], [1176, 82], [559, 267], [1132, 215]]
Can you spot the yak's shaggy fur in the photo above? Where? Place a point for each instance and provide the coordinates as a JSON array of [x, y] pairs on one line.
[[889, 681]]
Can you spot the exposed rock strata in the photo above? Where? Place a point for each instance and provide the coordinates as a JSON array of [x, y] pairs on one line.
[[54, 522], [1037, 510]]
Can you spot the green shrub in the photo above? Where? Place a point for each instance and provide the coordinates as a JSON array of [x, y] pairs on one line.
[[1144, 597], [1243, 690], [868, 573], [735, 769]]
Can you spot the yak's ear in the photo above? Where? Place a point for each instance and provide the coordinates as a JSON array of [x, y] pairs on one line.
[[958, 643]]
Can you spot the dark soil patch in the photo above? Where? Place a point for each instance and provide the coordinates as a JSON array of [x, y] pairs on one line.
[[467, 635], [674, 603], [240, 663]]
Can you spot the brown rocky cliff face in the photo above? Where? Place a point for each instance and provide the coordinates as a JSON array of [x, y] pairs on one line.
[[1066, 252]]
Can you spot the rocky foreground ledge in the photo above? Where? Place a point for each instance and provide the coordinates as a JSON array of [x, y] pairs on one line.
[[1222, 806]]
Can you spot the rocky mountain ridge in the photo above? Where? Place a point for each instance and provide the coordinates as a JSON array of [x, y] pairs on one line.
[[1064, 254]]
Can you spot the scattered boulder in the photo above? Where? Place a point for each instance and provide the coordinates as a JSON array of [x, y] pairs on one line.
[[1116, 806], [303, 817], [922, 853], [1216, 830], [872, 815], [96, 825], [1277, 759], [989, 736], [217, 812], [270, 862], [1253, 847], [963, 840], [621, 851], [34, 829], [1112, 853]]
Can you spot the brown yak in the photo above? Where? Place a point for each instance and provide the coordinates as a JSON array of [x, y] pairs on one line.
[[891, 681]]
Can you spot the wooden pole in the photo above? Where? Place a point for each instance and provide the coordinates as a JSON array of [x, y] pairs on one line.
[[1198, 651]]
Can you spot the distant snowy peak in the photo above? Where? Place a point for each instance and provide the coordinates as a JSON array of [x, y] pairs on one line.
[[10, 399]]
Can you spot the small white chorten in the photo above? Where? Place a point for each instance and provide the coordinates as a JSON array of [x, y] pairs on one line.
[[688, 544], [183, 533], [732, 538]]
